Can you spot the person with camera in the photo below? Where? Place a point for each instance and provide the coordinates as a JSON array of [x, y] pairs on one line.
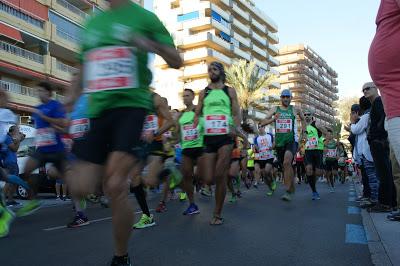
[[9, 159]]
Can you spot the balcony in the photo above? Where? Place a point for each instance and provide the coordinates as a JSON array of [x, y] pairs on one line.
[[241, 53], [196, 71], [259, 51], [273, 61], [259, 39], [204, 38], [221, 12], [243, 15], [204, 23], [20, 94], [273, 38], [261, 64], [272, 26], [273, 50], [24, 58], [202, 54], [70, 11], [245, 41], [64, 40], [222, 3], [61, 70], [245, 29], [258, 26]]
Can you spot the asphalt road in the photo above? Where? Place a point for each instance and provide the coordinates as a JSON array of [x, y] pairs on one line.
[[258, 230]]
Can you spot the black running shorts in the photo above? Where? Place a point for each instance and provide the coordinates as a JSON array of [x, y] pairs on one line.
[[193, 153], [313, 157], [214, 143], [117, 129], [263, 163], [280, 151]]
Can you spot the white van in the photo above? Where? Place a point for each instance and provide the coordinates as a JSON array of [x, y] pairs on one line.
[[26, 147]]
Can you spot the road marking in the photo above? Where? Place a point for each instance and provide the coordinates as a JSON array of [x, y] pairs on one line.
[[91, 221], [352, 199], [355, 234], [353, 210]]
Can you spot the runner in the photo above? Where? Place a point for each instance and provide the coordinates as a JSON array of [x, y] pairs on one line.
[[313, 159], [300, 168], [264, 163], [50, 122], [191, 139], [321, 172], [234, 169], [120, 36], [342, 162], [219, 106], [331, 159], [286, 137]]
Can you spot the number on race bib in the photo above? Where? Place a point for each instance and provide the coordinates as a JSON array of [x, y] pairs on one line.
[[284, 125], [45, 137], [150, 123], [266, 154], [331, 153], [110, 68], [189, 132], [216, 125], [79, 127], [312, 143]]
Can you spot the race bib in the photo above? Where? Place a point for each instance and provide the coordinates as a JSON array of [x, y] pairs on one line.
[[312, 143], [110, 68], [150, 123], [67, 143], [266, 154], [284, 125], [216, 125], [331, 153], [79, 127], [189, 132], [45, 137]]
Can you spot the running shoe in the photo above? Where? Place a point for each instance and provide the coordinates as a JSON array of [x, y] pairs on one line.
[[182, 196], [394, 216], [121, 261], [104, 202], [161, 207], [270, 193], [273, 186], [315, 196], [286, 197], [206, 192], [233, 198], [144, 222], [367, 204], [239, 194], [380, 208], [79, 220], [29, 208], [192, 209], [255, 185], [12, 203], [175, 178], [332, 190], [93, 198], [58, 198], [6, 218]]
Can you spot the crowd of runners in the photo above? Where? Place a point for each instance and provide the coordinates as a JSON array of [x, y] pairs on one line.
[[113, 135]]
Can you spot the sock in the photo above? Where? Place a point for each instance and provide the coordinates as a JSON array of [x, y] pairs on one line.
[[311, 182], [141, 199]]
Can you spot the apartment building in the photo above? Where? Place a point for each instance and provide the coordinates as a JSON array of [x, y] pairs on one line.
[[312, 81], [214, 30], [39, 41]]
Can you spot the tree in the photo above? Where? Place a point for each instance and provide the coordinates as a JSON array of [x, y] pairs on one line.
[[337, 128], [249, 83], [344, 108]]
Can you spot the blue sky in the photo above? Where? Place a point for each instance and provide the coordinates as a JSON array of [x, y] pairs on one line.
[[339, 30]]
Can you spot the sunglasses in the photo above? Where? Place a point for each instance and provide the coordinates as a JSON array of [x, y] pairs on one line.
[[287, 97], [367, 89], [307, 114]]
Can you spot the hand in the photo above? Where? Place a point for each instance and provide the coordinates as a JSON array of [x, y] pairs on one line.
[[148, 136], [276, 116], [353, 118], [347, 127]]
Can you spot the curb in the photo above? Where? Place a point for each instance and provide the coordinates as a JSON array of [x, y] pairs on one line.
[[378, 252]]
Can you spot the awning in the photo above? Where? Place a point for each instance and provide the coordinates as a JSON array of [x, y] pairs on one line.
[[10, 32]]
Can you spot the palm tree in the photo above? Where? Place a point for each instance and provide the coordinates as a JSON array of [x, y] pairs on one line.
[[249, 83]]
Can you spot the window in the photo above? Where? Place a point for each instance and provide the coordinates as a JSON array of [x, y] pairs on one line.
[[188, 16], [16, 13], [65, 28]]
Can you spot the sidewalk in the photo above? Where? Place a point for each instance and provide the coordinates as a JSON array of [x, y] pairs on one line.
[[383, 236]]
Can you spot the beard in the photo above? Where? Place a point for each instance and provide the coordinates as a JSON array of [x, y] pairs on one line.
[[215, 79]]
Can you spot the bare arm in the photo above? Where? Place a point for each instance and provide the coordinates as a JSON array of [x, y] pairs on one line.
[[236, 115], [199, 108], [75, 90], [270, 118], [163, 110], [303, 122]]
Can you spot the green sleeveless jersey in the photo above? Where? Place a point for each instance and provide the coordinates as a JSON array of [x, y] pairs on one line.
[[312, 138], [191, 137], [331, 150], [217, 112], [284, 126]]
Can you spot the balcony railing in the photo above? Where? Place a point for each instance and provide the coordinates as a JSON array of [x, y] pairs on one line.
[[240, 12], [18, 51], [18, 89], [65, 68], [241, 26], [73, 9], [67, 36]]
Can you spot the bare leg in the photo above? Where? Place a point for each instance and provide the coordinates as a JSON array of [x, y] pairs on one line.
[[288, 173], [221, 174], [187, 172]]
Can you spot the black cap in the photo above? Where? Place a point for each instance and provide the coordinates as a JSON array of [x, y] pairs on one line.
[[355, 107]]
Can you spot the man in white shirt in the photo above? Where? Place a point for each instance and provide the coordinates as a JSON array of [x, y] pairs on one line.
[[362, 151]]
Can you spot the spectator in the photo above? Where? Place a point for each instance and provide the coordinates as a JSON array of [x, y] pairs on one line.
[[378, 141], [301, 170], [9, 151], [384, 66], [395, 215], [362, 151]]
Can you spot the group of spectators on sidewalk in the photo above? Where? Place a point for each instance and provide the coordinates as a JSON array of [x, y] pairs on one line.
[[375, 122]]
